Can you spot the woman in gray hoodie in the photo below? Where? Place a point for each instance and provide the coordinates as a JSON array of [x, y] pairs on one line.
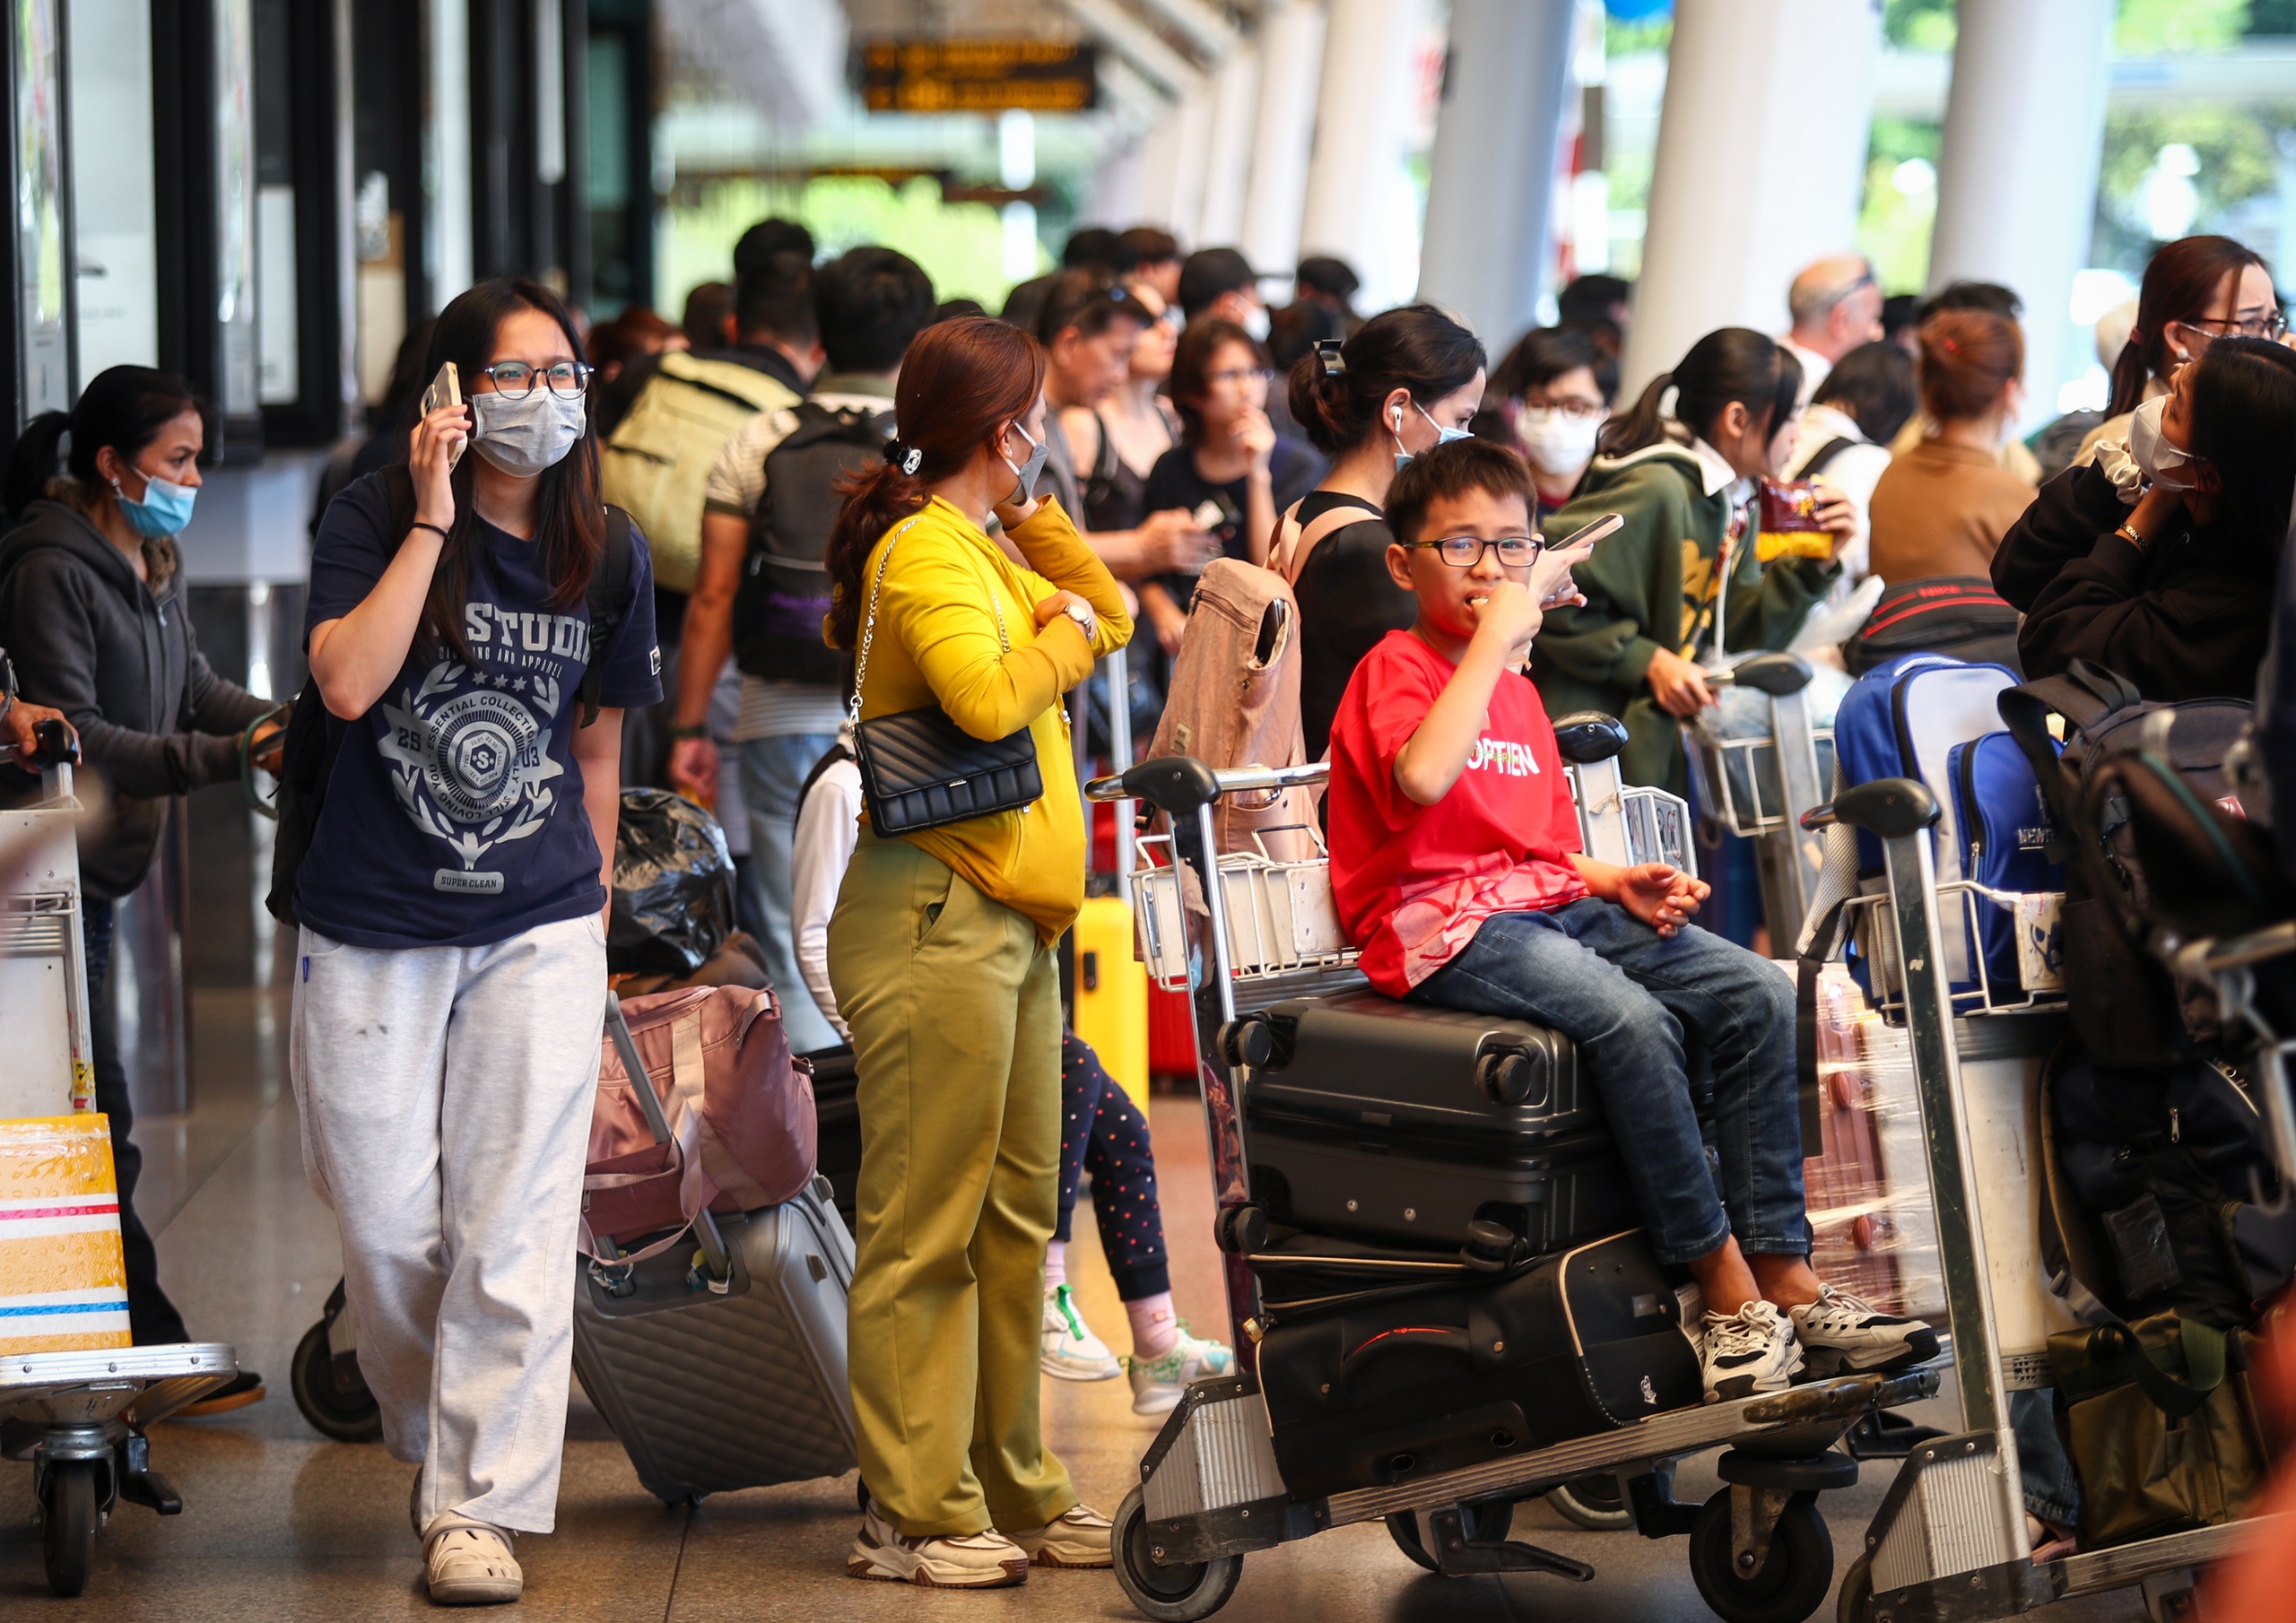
[[92, 615]]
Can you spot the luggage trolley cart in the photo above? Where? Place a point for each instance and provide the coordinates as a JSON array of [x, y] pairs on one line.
[[1212, 1490], [1950, 1541], [78, 1417], [1759, 788]]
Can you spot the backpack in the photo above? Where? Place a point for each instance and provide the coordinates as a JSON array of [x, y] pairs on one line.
[[314, 737], [1957, 614], [656, 464], [2005, 831], [2122, 1002], [1288, 548], [1822, 458], [784, 594]]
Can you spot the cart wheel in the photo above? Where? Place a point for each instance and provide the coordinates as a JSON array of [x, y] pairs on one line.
[[1493, 1518], [347, 1413], [1594, 1503], [1855, 1604], [1791, 1584], [1169, 1595], [68, 1516]]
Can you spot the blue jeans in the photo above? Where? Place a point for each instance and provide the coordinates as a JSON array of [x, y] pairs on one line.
[[773, 770], [1625, 995]]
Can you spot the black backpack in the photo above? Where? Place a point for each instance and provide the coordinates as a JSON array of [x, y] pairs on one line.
[[307, 758], [785, 593], [1959, 616]]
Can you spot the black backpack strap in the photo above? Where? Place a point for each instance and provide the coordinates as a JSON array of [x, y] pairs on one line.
[[829, 758], [609, 585], [2085, 695], [1825, 453]]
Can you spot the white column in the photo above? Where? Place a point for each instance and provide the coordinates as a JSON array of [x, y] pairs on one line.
[[1228, 153], [1363, 113], [1115, 200], [446, 152], [1490, 193], [1172, 165], [1761, 153], [1290, 66], [2017, 177]]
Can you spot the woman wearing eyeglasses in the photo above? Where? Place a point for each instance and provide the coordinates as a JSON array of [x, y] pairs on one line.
[[477, 624], [1548, 399], [2196, 290], [1230, 469]]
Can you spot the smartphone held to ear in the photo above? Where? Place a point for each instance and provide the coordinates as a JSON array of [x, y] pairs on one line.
[[446, 390]]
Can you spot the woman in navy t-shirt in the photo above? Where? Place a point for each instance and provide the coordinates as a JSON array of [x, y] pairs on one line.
[[450, 978]]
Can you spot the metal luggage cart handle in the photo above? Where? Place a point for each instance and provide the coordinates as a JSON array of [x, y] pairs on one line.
[[1177, 784]]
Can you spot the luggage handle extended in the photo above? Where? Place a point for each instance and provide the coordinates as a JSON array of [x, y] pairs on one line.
[[719, 1266]]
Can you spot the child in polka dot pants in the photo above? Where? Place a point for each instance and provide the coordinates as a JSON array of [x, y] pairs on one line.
[[1104, 1134]]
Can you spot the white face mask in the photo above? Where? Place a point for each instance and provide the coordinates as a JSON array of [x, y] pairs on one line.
[[1255, 324], [524, 436], [1559, 444], [2165, 464]]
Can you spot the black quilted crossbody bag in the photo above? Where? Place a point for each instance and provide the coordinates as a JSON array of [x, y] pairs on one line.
[[921, 770]]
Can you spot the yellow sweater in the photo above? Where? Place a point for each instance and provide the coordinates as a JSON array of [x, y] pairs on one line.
[[937, 644]]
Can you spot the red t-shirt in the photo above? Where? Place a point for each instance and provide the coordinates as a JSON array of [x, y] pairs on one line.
[[1414, 882]]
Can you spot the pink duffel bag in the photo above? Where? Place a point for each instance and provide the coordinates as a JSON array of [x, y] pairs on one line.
[[739, 1109]]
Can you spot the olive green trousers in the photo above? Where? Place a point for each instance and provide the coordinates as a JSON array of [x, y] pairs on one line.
[[955, 1007]]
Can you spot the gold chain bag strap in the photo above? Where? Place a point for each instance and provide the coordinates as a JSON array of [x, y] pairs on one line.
[[918, 768]]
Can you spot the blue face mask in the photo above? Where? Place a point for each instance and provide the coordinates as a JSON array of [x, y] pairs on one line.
[[164, 511], [1443, 435]]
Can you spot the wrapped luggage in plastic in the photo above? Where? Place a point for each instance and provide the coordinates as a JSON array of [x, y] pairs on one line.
[[672, 886]]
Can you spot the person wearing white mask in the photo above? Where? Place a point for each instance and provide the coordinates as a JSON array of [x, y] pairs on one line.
[[2158, 559], [1549, 399], [474, 658], [1942, 507], [1221, 282]]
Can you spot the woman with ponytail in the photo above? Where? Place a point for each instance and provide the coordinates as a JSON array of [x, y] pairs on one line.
[[1679, 584], [1408, 380], [941, 958], [92, 615], [2196, 290]]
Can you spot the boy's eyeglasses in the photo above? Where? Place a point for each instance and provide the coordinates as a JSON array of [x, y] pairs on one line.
[[516, 380], [1465, 552]]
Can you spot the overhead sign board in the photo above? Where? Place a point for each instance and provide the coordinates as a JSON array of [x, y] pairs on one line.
[[978, 75]]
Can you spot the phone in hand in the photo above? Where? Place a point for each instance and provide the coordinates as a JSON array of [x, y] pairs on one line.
[[1609, 524], [446, 390]]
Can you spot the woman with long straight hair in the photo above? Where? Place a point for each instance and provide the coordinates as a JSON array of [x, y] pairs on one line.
[[1679, 584], [475, 656], [2196, 290], [941, 956]]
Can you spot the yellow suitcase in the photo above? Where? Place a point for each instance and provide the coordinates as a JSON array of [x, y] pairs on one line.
[[1111, 1010]]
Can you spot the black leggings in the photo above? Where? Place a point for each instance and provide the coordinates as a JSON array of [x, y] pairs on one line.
[[1103, 1133]]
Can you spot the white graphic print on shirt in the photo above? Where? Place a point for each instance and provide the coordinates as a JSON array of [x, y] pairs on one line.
[[469, 749], [1504, 756]]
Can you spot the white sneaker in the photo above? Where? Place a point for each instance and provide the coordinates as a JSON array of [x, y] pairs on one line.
[[469, 1563], [1080, 1538], [1157, 1383], [1843, 1333], [966, 1560], [1749, 1351], [1071, 1352]]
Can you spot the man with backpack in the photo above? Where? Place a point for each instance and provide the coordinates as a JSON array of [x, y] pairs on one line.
[[761, 592]]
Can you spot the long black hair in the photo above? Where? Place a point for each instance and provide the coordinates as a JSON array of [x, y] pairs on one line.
[[2243, 422], [569, 517], [2181, 282], [1418, 347], [1729, 364], [123, 407]]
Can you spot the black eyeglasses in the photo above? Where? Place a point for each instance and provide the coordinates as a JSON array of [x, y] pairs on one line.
[[2272, 325], [516, 378], [1465, 552]]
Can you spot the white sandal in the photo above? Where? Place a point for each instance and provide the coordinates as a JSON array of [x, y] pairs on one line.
[[468, 1562]]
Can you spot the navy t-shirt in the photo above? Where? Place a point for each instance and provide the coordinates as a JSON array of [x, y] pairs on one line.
[[454, 816]]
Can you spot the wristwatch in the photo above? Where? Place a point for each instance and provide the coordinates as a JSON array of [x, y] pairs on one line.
[[1088, 622], [700, 729]]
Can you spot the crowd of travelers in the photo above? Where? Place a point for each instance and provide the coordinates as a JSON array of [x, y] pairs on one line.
[[708, 555]]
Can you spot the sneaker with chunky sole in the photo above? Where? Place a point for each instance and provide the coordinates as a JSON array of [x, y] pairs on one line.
[[1071, 1352], [1080, 1538], [1157, 1383], [1749, 1351], [1839, 1333], [468, 1562], [965, 1560]]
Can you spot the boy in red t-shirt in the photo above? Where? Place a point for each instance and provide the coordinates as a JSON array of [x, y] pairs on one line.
[[1455, 861]]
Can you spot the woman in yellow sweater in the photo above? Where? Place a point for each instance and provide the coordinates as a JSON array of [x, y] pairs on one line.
[[940, 953]]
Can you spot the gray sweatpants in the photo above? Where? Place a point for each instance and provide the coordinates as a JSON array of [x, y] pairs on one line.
[[446, 1095]]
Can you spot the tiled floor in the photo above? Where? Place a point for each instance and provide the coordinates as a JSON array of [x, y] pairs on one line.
[[281, 1524]]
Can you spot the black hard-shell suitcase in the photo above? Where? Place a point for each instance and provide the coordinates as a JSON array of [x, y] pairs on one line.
[[770, 1353], [837, 1113], [1418, 1383], [1395, 1123]]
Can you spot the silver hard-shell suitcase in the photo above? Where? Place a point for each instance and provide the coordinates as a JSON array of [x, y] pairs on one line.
[[753, 1316]]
